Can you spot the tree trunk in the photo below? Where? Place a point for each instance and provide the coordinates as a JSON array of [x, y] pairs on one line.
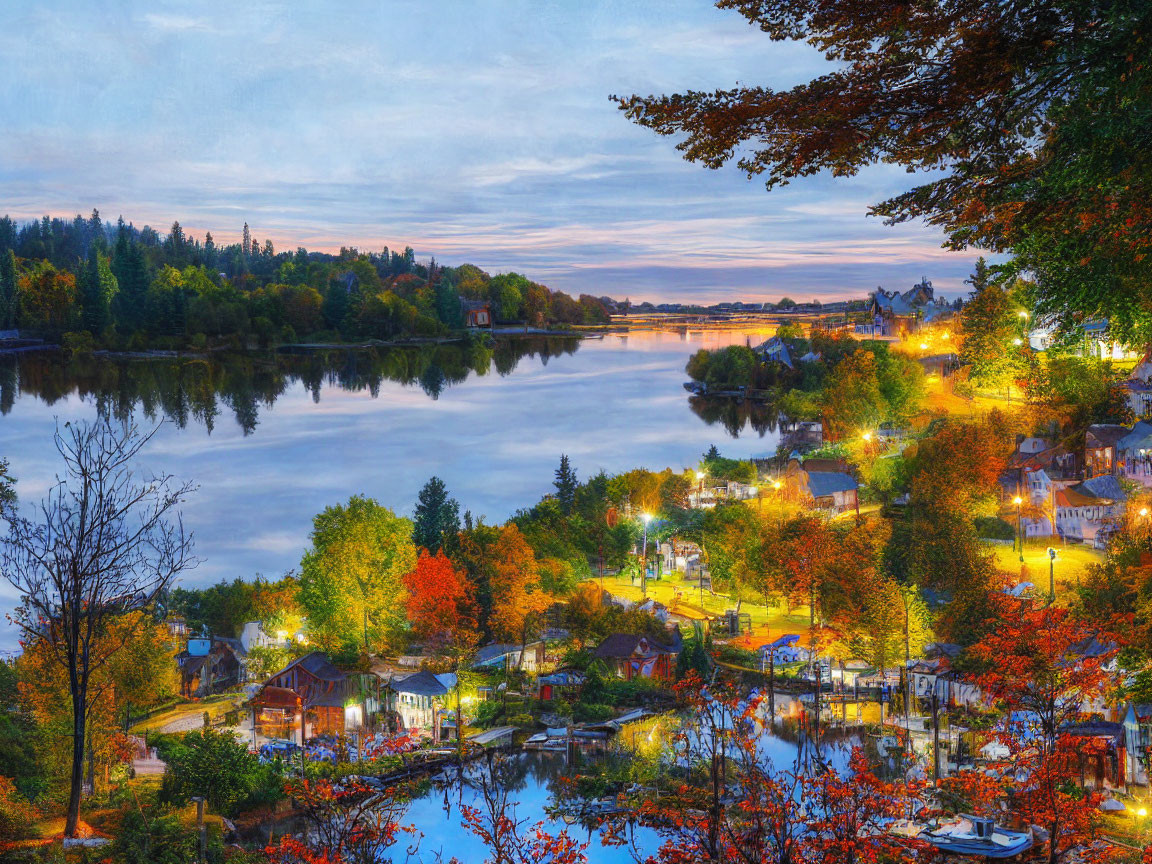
[[79, 711]]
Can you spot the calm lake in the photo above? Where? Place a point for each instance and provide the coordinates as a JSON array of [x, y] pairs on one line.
[[271, 442]]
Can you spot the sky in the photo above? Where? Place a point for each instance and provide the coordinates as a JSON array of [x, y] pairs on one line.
[[475, 132]]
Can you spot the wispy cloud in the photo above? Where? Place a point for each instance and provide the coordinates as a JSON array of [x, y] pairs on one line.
[[483, 135]]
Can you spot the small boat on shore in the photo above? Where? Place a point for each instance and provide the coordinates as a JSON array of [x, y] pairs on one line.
[[967, 835]]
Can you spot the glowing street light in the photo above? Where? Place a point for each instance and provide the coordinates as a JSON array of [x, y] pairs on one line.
[[1019, 502], [867, 436], [1023, 314], [645, 518], [1017, 341], [923, 346]]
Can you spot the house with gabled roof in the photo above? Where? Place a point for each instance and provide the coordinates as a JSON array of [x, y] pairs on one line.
[[1101, 442], [210, 664], [629, 655], [332, 701], [1088, 511], [420, 700]]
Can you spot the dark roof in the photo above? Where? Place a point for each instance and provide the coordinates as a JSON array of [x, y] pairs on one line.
[[190, 665], [491, 652], [421, 684], [316, 664], [1105, 486], [1097, 729], [1107, 433], [622, 645], [235, 644], [822, 484]]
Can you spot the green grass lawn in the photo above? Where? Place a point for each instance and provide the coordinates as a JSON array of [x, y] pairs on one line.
[[1071, 560], [683, 599]]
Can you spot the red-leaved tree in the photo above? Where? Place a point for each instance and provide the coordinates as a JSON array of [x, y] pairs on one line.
[[440, 606]]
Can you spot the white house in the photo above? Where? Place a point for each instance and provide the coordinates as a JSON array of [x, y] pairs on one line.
[[1087, 511], [1134, 454]]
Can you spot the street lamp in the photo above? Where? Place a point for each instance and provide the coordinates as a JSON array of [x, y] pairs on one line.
[[1051, 575], [645, 518], [1019, 502]]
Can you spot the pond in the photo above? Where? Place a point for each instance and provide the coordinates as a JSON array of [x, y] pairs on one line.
[[530, 781], [272, 441]]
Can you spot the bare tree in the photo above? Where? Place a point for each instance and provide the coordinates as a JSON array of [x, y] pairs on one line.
[[103, 543]]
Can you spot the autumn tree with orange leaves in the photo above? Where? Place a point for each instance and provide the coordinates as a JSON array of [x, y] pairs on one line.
[[518, 598], [1045, 660], [439, 603]]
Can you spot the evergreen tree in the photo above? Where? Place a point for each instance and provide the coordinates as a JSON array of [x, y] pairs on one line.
[[981, 276], [246, 242], [8, 306], [437, 521], [131, 272], [209, 251], [565, 484], [335, 305], [93, 296], [712, 454], [96, 230], [448, 303]]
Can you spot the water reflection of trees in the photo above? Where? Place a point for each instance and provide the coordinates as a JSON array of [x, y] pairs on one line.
[[736, 415], [198, 389]]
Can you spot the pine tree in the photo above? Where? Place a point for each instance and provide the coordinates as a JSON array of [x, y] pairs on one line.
[[93, 299], [335, 305], [131, 272], [8, 310], [246, 242], [96, 230], [209, 251], [437, 521], [565, 484]]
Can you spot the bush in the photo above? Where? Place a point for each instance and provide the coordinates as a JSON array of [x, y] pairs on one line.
[[210, 764], [159, 839], [487, 713], [592, 712], [638, 691], [16, 814], [523, 721], [994, 528]]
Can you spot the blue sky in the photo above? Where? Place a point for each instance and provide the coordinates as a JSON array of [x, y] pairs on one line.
[[474, 131]]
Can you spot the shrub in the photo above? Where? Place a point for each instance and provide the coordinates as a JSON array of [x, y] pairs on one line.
[[487, 713], [211, 764], [159, 839], [16, 814], [523, 721], [994, 528], [585, 712]]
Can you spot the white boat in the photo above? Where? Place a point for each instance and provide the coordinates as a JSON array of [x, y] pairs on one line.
[[967, 835]]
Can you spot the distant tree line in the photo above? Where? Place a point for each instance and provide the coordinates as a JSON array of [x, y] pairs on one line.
[[135, 288]]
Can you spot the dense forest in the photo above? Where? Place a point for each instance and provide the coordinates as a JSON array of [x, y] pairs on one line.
[[95, 284]]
